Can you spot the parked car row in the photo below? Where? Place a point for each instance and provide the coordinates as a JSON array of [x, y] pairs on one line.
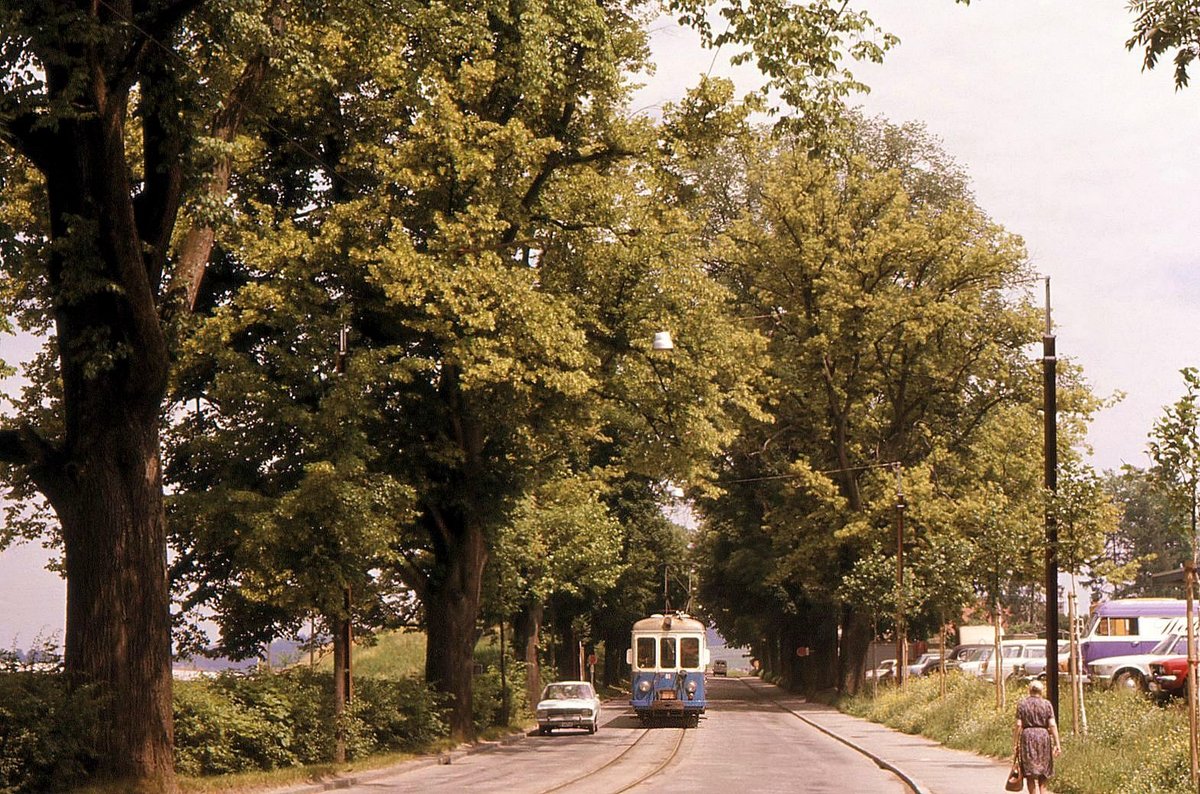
[[925, 664], [1135, 644]]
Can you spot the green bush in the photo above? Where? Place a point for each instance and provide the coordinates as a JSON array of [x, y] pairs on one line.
[[268, 720], [402, 714], [209, 727], [47, 733], [300, 702], [488, 696], [230, 723]]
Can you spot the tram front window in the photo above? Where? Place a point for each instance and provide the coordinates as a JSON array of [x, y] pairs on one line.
[[645, 652], [666, 652], [689, 652]]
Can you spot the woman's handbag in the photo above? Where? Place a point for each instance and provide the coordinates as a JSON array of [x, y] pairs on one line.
[[1014, 782]]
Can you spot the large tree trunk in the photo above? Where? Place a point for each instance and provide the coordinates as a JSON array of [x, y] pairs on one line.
[[451, 610], [789, 662], [772, 648], [527, 628], [104, 477], [616, 641], [110, 239], [817, 672], [566, 650], [857, 633], [118, 617]]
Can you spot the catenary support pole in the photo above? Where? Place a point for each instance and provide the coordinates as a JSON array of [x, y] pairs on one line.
[[901, 622], [1190, 577], [1050, 410]]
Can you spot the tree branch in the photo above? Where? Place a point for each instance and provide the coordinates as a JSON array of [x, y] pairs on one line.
[[22, 132], [26, 448], [227, 124]]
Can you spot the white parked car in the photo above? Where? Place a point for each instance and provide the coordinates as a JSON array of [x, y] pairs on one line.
[[885, 672], [1015, 652], [923, 664], [1132, 672], [568, 704], [972, 659]]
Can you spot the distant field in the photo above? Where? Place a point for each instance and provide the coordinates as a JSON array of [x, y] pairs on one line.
[[394, 654], [402, 653]]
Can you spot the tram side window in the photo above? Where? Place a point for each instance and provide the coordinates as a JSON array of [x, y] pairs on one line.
[[645, 652], [689, 652], [666, 655]]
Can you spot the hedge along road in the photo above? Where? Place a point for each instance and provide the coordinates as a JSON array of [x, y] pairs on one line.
[[747, 742]]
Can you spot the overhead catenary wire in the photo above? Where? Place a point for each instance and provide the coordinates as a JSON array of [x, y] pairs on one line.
[[892, 464]]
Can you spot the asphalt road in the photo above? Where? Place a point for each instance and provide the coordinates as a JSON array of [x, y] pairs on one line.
[[745, 743]]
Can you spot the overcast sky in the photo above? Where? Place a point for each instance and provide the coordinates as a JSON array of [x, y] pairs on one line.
[[1070, 145], [1067, 142]]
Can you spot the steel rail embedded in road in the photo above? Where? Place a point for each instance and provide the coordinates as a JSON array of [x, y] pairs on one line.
[[670, 757], [615, 760]]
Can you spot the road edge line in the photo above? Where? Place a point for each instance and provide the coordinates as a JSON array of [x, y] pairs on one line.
[[882, 763]]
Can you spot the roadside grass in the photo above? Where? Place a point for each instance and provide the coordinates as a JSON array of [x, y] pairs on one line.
[[1132, 744], [248, 782]]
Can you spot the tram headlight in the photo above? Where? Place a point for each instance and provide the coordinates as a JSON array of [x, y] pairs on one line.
[[643, 686], [691, 687]]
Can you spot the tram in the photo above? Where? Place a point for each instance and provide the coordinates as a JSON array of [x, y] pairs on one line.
[[668, 657]]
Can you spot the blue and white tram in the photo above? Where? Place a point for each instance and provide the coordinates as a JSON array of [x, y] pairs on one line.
[[668, 658]]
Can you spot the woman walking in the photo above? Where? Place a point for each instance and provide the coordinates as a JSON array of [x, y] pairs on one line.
[[1035, 738]]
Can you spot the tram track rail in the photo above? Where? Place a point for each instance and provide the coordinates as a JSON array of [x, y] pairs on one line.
[[615, 762], [666, 762]]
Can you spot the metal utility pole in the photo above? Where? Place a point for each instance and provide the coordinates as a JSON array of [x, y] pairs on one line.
[[347, 626], [901, 628], [1189, 572], [1190, 575], [347, 644], [343, 629], [504, 716], [1050, 391]]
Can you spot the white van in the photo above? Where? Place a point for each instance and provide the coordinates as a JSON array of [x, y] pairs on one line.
[[1127, 626]]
